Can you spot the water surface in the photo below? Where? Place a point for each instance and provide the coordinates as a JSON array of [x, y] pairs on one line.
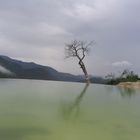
[[45, 110]]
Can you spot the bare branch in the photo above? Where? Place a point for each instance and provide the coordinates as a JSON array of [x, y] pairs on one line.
[[79, 49]]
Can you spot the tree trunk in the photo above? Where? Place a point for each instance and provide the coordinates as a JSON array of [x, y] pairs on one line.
[[85, 71]]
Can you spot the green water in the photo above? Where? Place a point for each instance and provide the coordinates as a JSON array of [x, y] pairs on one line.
[[44, 110]]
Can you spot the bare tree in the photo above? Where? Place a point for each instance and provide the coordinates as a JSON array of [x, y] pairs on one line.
[[79, 49]]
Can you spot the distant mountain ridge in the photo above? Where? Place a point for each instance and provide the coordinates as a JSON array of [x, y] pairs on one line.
[[11, 68]]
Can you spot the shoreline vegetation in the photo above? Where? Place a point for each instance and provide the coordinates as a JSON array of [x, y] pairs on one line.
[[127, 79]]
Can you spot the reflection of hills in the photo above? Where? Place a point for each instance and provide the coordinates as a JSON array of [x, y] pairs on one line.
[[74, 108]]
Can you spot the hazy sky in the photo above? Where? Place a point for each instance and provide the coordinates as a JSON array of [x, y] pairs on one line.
[[37, 30]]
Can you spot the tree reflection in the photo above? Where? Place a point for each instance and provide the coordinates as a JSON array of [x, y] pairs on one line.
[[127, 92], [73, 109]]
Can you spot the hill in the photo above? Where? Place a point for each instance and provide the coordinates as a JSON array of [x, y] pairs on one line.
[[11, 68]]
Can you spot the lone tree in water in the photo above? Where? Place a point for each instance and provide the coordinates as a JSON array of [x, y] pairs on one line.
[[79, 49]]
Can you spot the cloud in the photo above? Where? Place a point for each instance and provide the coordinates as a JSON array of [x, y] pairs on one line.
[[80, 11], [122, 64], [37, 30], [5, 71], [89, 10]]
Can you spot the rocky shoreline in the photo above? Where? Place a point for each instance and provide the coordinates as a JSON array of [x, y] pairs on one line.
[[135, 85]]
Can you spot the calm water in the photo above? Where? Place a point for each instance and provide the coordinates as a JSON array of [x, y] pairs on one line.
[[43, 110]]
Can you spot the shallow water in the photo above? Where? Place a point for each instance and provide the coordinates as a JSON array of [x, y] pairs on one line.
[[45, 110]]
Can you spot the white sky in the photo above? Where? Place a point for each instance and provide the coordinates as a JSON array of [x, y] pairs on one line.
[[37, 30]]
